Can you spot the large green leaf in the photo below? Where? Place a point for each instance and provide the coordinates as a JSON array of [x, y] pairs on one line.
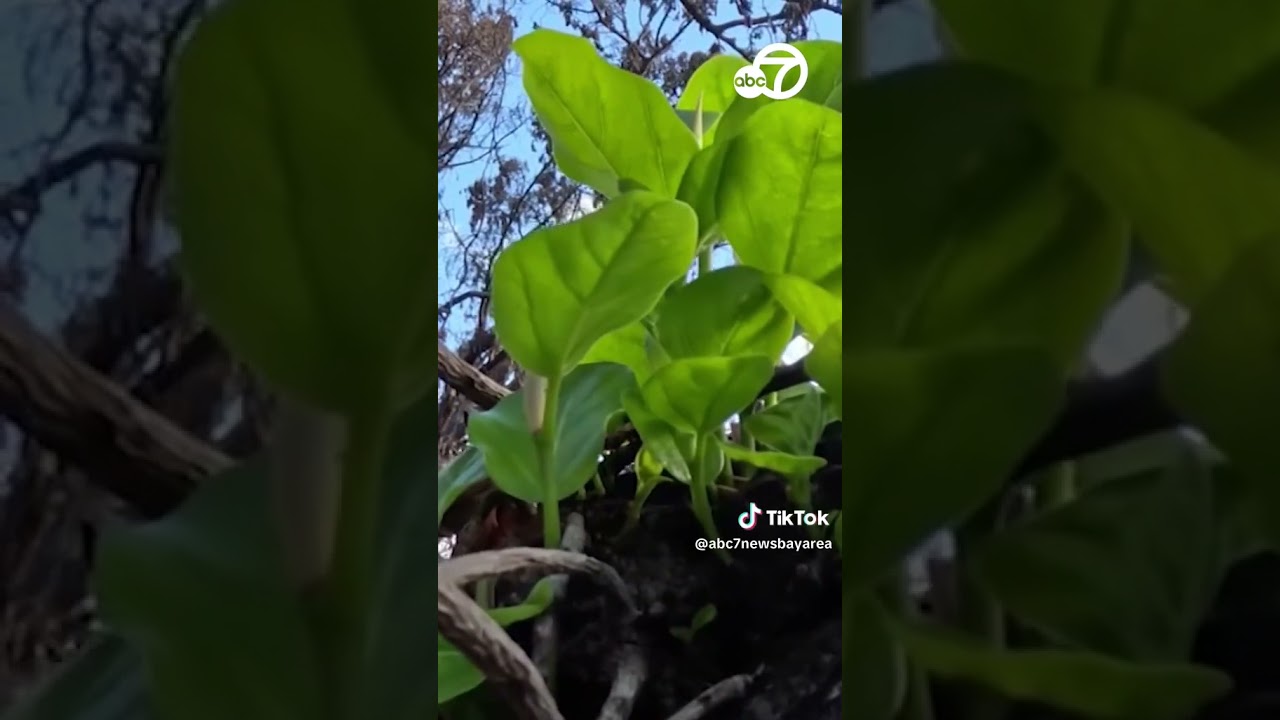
[[105, 682], [1056, 43], [785, 464], [1223, 374], [778, 198], [697, 395], [730, 311], [1090, 685], [1195, 199], [561, 289], [666, 444], [965, 230], [202, 594], [628, 345], [589, 396], [815, 308], [606, 125], [931, 435], [826, 72], [394, 35], [1127, 569], [314, 274]]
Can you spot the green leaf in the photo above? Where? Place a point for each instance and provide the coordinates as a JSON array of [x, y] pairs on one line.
[[698, 395], [1058, 44], [628, 346], [699, 185], [785, 464], [461, 473], [1191, 53], [814, 307], [1221, 374], [1090, 685], [934, 433], [662, 440], [314, 275], [561, 289], [1127, 569], [606, 125], [648, 468], [589, 397], [201, 593], [792, 425], [105, 682], [825, 365], [778, 199], [878, 664], [455, 674], [826, 72], [712, 85], [1195, 199], [394, 35], [704, 617], [729, 311], [973, 235]]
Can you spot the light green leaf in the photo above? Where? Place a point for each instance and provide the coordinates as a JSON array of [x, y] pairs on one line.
[[814, 307], [455, 675], [933, 434], [698, 395], [712, 85], [1128, 569], [201, 594], [606, 125], [561, 289], [648, 468], [729, 311], [107, 681], [778, 200], [699, 185], [784, 464], [973, 234], [826, 71], [628, 346], [313, 274], [1091, 685], [589, 396], [461, 473], [793, 425], [825, 364], [1221, 374], [1195, 199], [664, 442]]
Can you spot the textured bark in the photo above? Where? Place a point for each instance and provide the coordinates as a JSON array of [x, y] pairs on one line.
[[84, 417]]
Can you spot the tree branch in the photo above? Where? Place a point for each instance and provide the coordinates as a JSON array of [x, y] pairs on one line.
[[25, 195], [84, 417]]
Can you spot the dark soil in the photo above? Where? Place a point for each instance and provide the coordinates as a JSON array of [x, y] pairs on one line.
[[777, 612]]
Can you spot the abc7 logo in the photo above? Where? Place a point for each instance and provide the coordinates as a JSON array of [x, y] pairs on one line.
[[751, 82]]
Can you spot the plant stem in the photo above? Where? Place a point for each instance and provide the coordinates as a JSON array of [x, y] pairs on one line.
[[979, 613], [348, 599], [1060, 486], [545, 439], [704, 260], [598, 484], [699, 492], [918, 703]]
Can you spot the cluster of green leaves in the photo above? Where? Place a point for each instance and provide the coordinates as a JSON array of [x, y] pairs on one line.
[[598, 310]]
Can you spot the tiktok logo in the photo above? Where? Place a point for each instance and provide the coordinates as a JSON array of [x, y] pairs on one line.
[[747, 520]]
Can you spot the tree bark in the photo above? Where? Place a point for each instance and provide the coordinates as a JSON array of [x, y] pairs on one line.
[[81, 415]]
